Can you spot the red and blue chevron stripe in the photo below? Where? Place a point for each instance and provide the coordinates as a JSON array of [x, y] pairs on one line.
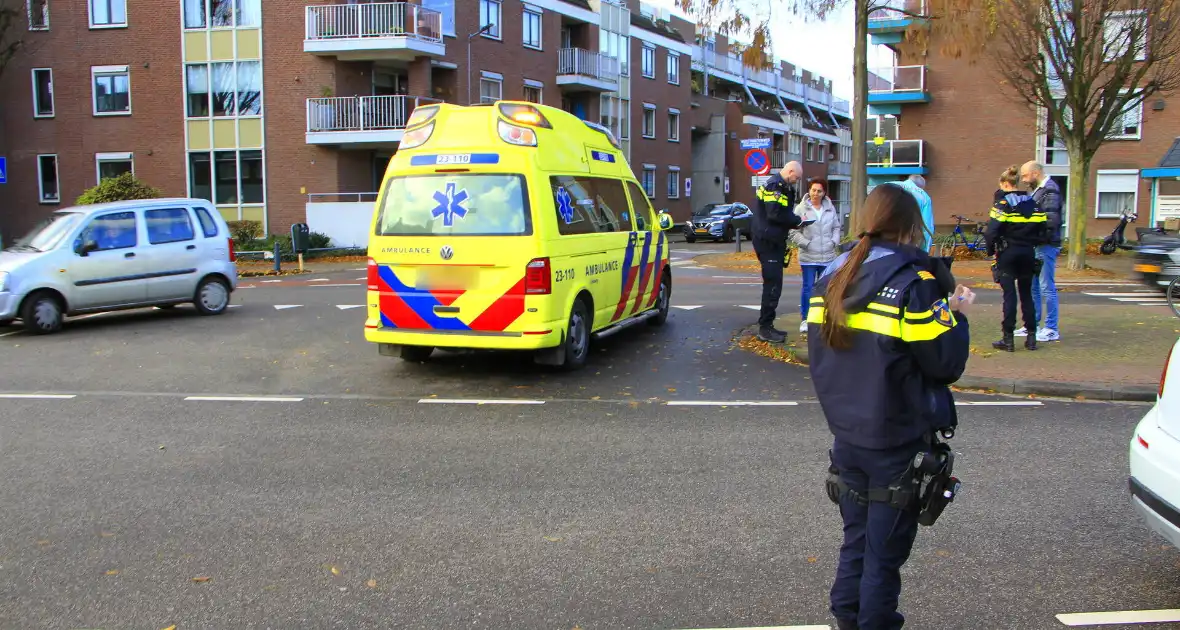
[[409, 308]]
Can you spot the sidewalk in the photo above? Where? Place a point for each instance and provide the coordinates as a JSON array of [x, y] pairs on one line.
[[1110, 352]]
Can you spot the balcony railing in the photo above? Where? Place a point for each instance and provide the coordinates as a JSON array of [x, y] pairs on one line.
[[839, 168], [587, 63], [361, 113], [841, 105], [897, 10], [899, 80], [896, 153], [387, 19]]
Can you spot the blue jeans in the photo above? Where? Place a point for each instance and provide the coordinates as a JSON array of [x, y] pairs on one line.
[[810, 274], [1046, 286]]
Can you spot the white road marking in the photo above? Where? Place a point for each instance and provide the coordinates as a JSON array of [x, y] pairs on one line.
[[1098, 284], [320, 280], [365, 278], [998, 403], [345, 307], [283, 307], [1143, 300], [234, 306], [247, 286], [1120, 617], [39, 396], [9, 334], [774, 628], [687, 308], [1118, 295], [737, 277], [752, 307], [269, 281], [744, 284], [350, 284], [732, 403], [243, 399], [464, 401], [361, 269]]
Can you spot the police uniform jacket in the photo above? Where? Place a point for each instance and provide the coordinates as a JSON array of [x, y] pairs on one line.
[[892, 386], [1016, 221], [774, 214]]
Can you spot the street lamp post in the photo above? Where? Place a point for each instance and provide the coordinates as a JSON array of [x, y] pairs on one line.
[[486, 28]]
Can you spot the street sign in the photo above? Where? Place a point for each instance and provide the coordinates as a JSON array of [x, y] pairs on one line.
[[687, 186], [755, 143], [757, 162], [758, 182], [727, 184], [3, 170]]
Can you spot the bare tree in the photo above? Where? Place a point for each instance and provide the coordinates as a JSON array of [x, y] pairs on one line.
[[13, 28]]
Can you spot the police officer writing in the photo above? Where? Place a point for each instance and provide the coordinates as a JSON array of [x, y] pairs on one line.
[[887, 336], [1014, 231], [774, 216]]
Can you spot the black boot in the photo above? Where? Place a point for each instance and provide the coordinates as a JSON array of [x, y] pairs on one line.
[[1030, 342], [1007, 344]]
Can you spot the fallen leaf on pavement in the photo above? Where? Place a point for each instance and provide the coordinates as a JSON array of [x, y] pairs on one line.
[[335, 571], [201, 579], [107, 535], [812, 559], [42, 542], [553, 538], [371, 584], [113, 572], [943, 553], [170, 628]]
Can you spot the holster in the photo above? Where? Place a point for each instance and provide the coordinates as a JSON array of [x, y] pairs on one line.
[[927, 486]]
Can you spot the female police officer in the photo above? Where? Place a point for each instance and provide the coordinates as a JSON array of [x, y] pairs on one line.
[[1014, 231], [885, 345]]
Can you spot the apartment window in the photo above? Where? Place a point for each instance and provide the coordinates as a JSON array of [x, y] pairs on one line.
[[822, 153], [649, 180], [108, 13], [810, 151], [649, 120], [43, 93], [674, 125], [47, 179], [1130, 124], [532, 27], [447, 9], [225, 89], [533, 91], [226, 177], [38, 15], [491, 87], [648, 62], [615, 46], [673, 182], [222, 13], [1118, 190], [673, 68], [795, 144], [112, 165], [489, 13], [1123, 30], [112, 90]]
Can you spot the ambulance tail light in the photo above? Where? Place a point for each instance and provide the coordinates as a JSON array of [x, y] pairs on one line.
[[233, 256], [1164, 373], [371, 276], [520, 136], [414, 138], [538, 277], [524, 114], [422, 115]]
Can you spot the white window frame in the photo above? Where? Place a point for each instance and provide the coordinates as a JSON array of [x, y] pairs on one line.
[[673, 124], [648, 52], [52, 99], [648, 168], [99, 158], [1117, 17], [56, 177], [648, 132], [795, 144], [44, 16], [810, 151], [539, 15], [1118, 188], [90, 15], [538, 86], [1138, 112], [491, 77], [673, 176], [108, 71], [673, 68], [498, 32]]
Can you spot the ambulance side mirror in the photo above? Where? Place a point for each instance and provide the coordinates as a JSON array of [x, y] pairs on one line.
[[665, 221]]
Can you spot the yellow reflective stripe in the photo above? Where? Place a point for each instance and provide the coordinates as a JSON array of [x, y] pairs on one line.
[[884, 308], [1012, 217], [918, 314], [994, 214], [923, 332], [817, 300], [868, 322]]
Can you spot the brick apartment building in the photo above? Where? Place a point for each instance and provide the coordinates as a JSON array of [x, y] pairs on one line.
[[285, 112], [948, 120]]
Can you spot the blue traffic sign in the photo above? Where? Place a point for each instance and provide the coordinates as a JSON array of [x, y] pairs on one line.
[[755, 143], [3, 170], [757, 162]]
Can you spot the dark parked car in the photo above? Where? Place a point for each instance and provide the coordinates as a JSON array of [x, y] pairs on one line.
[[1157, 259], [719, 223]]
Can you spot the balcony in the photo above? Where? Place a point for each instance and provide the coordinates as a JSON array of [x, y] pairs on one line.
[[360, 121], [836, 168], [897, 85], [887, 25], [581, 70], [896, 157], [366, 32]]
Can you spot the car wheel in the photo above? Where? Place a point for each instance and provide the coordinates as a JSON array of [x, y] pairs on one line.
[[663, 302], [416, 354], [42, 313], [690, 239], [577, 337], [212, 297]]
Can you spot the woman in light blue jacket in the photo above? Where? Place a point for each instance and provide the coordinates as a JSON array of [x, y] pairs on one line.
[[819, 242]]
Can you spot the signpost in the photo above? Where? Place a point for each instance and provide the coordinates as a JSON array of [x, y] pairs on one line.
[[757, 162], [3, 170], [755, 143], [687, 186]]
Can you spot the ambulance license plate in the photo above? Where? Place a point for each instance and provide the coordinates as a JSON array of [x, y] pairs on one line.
[[458, 158], [444, 279]]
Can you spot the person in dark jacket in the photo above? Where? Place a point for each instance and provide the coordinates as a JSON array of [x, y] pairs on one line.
[[774, 217], [1014, 231], [886, 340], [1047, 194]]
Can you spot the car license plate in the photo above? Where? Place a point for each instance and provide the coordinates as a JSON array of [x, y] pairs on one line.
[[1147, 268], [459, 158], [444, 279], [702, 231]]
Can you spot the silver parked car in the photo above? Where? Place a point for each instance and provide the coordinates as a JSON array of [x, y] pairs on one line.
[[113, 256]]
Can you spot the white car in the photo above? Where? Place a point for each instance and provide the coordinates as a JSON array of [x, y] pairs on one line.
[[112, 256], [1155, 458]]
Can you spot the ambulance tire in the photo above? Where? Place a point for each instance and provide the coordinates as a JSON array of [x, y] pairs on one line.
[[577, 339], [663, 302]]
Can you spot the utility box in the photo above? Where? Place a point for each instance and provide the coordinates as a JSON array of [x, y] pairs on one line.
[[300, 238]]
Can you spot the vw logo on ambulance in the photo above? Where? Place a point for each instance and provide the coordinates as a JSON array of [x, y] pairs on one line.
[[446, 252]]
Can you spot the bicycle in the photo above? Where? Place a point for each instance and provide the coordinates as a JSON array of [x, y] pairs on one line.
[[1174, 296], [959, 238]]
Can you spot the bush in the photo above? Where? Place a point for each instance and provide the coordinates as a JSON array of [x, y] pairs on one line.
[[122, 188], [244, 231], [318, 240]]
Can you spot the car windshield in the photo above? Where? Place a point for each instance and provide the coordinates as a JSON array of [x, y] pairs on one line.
[[48, 233], [721, 211], [454, 205]]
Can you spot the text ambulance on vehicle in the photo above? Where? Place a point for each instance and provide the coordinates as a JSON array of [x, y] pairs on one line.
[[511, 226]]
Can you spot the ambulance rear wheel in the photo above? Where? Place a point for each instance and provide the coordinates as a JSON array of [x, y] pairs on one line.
[[663, 302], [577, 337], [416, 354]]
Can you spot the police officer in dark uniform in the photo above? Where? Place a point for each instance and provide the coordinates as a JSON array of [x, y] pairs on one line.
[[1014, 231], [886, 339], [774, 216]]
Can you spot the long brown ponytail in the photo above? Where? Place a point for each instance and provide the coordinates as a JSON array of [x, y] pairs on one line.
[[890, 213]]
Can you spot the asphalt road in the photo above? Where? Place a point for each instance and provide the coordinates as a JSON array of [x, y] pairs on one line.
[[356, 491]]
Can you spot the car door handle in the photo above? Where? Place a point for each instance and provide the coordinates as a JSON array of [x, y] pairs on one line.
[[191, 247], [129, 255]]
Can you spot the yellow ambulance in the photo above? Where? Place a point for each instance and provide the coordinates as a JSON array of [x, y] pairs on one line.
[[511, 226]]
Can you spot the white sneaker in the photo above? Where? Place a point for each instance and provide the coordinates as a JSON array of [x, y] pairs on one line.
[[1048, 334], [803, 328], [1020, 332]]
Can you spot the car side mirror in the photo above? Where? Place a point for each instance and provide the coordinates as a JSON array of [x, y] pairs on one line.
[[85, 247], [665, 221]]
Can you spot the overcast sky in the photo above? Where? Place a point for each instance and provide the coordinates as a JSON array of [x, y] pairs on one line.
[[822, 47]]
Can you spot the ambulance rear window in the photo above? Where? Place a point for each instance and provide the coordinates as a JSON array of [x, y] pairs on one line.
[[467, 204]]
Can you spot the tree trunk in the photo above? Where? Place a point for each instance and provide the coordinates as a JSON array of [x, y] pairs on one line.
[[860, 79], [1079, 187]]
